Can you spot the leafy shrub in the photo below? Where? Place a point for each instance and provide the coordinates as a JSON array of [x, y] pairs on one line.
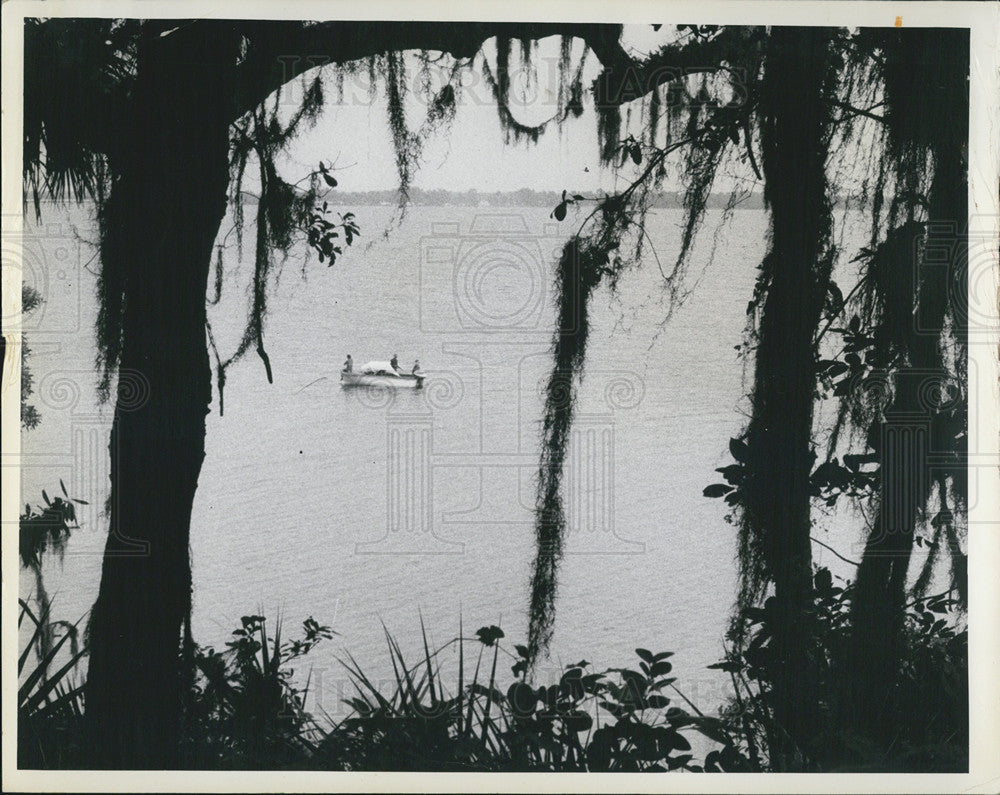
[[619, 719], [46, 527], [243, 709], [929, 701]]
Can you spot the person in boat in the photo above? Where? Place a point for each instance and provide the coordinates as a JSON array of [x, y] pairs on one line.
[[394, 362], [416, 366], [349, 364]]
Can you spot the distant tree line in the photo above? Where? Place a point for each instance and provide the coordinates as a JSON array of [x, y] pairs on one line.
[[523, 197]]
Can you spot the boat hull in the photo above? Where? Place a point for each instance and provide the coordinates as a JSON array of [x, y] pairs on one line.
[[390, 381]]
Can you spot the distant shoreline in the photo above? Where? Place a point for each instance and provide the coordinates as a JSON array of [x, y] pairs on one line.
[[524, 197]]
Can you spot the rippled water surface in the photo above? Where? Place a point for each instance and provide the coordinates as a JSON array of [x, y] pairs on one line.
[[359, 507]]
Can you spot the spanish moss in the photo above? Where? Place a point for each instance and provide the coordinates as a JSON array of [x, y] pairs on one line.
[[581, 266], [613, 238]]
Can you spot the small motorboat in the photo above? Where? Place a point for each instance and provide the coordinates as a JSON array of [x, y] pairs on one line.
[[381, 374]]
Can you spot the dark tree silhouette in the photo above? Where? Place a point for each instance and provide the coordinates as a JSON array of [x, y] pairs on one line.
[[806, 90], [155, 120], [794, 115], [925, 331], [145, 109], [167, 200]]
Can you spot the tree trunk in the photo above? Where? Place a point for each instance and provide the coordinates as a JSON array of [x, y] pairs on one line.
[[162, 218], [913, 429], [779, 436]]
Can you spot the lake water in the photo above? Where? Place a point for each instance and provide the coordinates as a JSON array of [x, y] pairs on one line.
[[359, 507]]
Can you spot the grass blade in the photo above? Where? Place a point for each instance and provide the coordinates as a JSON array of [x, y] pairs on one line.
[[461, 678], [489, 691], [475, 681], [34, 701], [427, 659], [36, 675]]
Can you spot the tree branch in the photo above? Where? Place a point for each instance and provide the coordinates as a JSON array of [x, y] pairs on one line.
[[835, 552], [281, 51], [859, 111]]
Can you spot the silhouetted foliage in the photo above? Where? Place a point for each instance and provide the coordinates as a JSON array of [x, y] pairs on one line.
[[50, 731], [31, 299], [245, 710], [927, 704], [796, 106], [45, 529]]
